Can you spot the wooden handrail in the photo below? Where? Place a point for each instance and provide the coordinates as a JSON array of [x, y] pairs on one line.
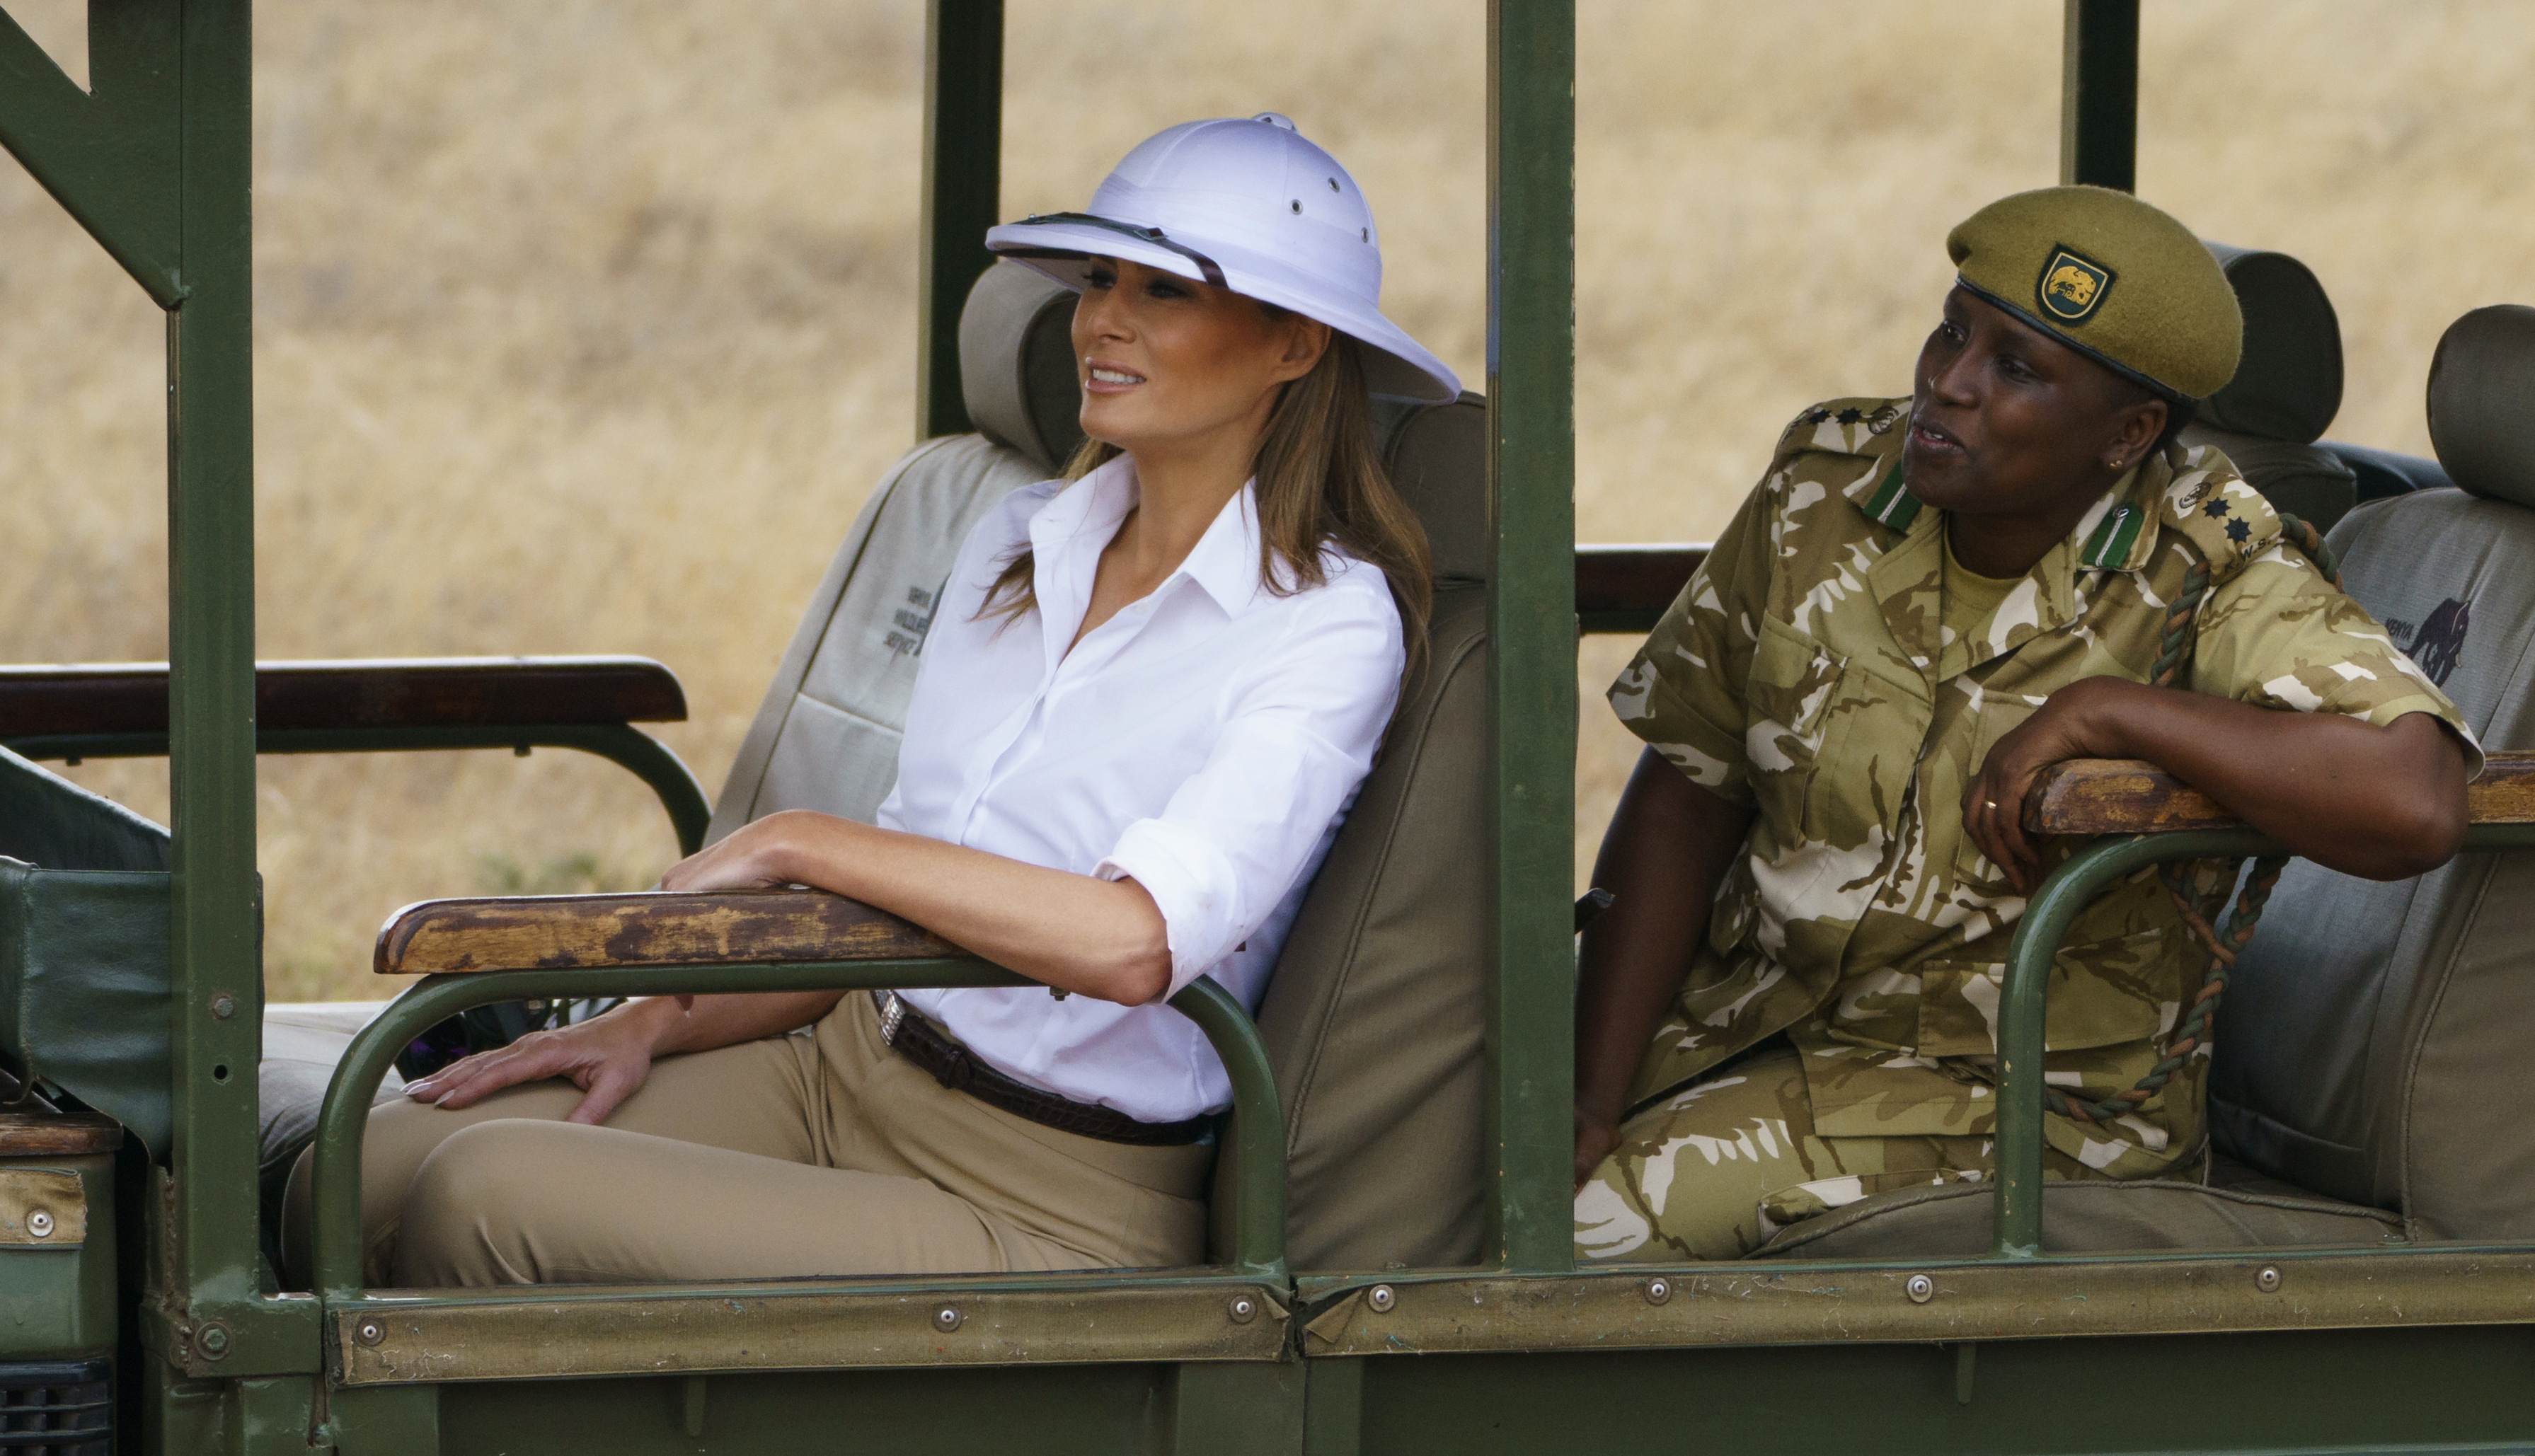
[[654, 929], [2124, 796], [398, 693]]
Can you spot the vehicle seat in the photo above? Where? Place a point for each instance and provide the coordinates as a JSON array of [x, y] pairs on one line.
[[2286, 391], [2373, 1033], [1374, 1017]]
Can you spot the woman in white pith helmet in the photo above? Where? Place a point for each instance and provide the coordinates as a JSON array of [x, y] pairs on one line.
[[1146, 703]]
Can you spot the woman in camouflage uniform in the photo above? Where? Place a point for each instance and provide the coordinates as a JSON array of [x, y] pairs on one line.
[[1818, 865]]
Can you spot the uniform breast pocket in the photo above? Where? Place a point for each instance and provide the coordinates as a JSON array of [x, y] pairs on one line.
[[1791, 719]]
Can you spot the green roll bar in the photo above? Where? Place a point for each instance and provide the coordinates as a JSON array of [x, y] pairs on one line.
[[2038, 936], [621, 744], [1255, 1142]]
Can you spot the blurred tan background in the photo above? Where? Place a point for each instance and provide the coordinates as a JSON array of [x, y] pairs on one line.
[[585, 327]]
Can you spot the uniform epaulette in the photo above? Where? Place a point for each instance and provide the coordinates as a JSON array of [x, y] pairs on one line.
[[2224, 518], [1865, 426]]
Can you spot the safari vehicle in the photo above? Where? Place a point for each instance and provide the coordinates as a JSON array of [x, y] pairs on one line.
[[1392, 1260]]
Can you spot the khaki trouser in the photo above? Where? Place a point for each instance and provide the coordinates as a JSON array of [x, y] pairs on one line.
[[792, 1157], [1716, 1170]]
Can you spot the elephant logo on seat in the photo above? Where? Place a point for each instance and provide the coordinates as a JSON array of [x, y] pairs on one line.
[[2072, 287]]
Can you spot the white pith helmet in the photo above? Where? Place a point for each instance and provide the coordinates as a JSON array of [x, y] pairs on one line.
[[1249, 206]]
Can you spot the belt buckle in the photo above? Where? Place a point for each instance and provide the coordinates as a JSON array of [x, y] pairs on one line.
[[893, 1015]]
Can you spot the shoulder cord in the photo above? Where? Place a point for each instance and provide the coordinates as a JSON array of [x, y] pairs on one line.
[[2224, 946]]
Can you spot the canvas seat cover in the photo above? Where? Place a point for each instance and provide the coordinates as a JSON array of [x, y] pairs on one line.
[[1374, 1018], [2374, 1034], [2286, 391]]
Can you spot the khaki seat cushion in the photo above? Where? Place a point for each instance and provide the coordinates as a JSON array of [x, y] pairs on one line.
[[827, 735], [1957, 1220], [1376, 1020], [2372, 1029]]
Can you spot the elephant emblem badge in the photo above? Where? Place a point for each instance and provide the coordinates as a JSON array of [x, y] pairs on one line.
[[2072, 287]]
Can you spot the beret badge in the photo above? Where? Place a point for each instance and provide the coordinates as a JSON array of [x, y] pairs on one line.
[[2071, 287]]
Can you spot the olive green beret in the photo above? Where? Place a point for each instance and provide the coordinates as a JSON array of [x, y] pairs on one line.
[[2112, 278]]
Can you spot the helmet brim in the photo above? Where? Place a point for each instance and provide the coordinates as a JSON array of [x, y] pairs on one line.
[[1397, 366]]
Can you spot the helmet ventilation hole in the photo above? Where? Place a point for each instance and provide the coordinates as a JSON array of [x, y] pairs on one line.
[[1298, 204], [1334, 184]]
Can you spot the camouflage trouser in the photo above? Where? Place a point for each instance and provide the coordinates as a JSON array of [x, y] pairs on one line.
[[1714, 1171]]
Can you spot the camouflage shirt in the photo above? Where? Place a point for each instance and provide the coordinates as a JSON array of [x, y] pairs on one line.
[[1806, 672]]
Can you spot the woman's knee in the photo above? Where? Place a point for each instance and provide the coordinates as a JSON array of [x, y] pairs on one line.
[[474, 1194]]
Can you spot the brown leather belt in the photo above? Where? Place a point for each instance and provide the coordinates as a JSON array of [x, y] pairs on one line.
[[954, 1067]]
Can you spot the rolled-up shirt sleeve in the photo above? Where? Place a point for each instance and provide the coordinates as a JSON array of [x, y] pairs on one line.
[[1298, 739]]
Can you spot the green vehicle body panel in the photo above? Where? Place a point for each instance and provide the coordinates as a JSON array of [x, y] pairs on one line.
[[130, 978]]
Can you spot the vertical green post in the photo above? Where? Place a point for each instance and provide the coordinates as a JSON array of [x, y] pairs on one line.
[[1531, 488], [964, 138], [210, 649], [2099, 93]]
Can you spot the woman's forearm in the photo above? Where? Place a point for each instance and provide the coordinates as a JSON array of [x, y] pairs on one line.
[[2379, 802], [1669, 844], [1102, 937]]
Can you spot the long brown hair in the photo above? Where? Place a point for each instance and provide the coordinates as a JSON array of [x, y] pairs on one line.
[[1320, 483]]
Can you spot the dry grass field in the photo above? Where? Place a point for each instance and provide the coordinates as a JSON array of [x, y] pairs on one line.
[[584, 325]]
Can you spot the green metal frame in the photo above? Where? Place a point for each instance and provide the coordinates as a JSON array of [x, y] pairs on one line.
[[2099, 93], [622, 744]]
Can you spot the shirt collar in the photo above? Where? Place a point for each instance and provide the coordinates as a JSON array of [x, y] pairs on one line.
[[1068, 533]]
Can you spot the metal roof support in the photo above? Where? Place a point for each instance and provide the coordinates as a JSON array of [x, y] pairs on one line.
[[963, 131], [2099, 93], [1531, 626]]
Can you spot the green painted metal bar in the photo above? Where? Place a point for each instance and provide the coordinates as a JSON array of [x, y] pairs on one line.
[[1258, 1132], [963, 140], [107, 155], [214, 928], [2099, 93], [1531, 622], [2038, 936], [621, 744]]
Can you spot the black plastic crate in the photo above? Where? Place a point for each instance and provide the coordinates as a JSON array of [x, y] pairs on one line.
[[57, 1408]]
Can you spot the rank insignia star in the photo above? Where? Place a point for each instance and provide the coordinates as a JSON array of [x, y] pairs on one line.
[[1816, 416], [2214, 510], [1851, 415], [2237, 530]]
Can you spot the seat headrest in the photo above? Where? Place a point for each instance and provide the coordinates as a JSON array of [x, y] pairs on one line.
[[1017, 364], [2482, 388], [2288, 386], [1438, 458]]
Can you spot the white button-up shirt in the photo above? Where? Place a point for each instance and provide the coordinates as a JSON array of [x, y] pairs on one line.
[[1207, 742]]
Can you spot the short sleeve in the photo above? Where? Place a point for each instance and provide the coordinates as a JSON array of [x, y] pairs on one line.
[[2277, 635], [1683, 693]]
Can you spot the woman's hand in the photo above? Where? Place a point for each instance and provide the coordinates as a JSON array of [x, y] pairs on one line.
[[755, 856], [2065, 727], [607, 1056], [1594, 1141]]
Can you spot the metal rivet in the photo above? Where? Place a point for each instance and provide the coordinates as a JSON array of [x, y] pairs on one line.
[[1920, 1288], [223, 1006], [1658, 1291], [948, 1318], [1243, 1308], [1382, 1298], [2267, 1279], [213, 1340], [369, 1333], [40, 1224]]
